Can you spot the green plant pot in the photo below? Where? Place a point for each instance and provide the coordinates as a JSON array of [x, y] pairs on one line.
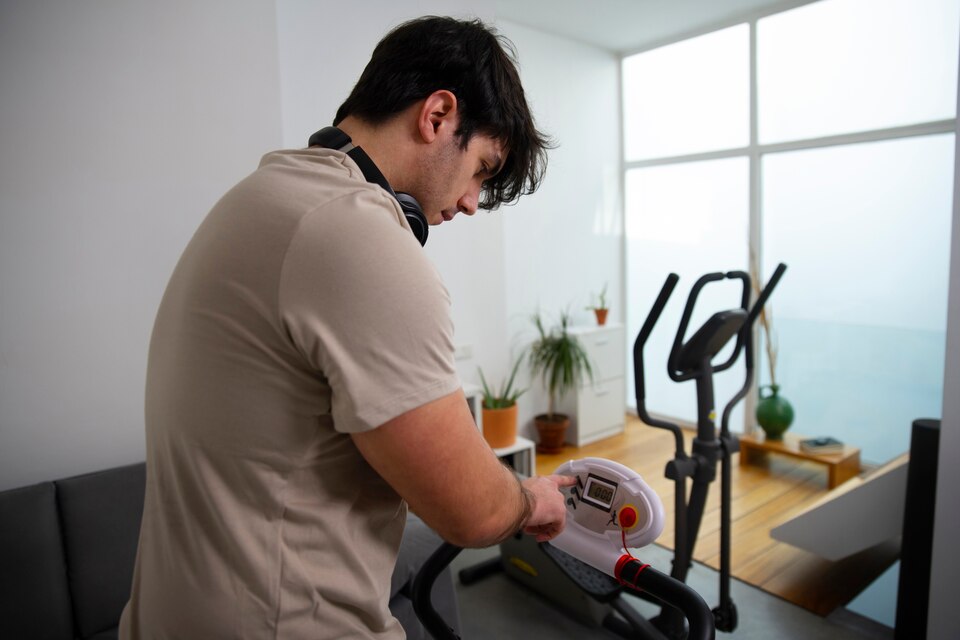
[[774, 413]]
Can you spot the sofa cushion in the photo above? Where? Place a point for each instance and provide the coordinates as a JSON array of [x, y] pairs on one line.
[[101, 524], [34, 600]]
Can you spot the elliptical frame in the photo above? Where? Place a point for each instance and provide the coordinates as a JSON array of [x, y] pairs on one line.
[[693, 360]]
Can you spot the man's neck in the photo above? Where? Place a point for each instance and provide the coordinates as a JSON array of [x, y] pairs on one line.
[[391, 144]]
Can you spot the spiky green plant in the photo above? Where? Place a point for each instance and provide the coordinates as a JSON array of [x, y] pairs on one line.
[[559, 359], [507, 396]]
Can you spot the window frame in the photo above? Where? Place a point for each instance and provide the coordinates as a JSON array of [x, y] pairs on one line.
[[754, 152]]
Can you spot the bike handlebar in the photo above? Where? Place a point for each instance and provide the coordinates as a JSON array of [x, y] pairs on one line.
[[638, 379], [671, 591]]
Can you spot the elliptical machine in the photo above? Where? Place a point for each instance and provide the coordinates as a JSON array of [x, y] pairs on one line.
[[690, 360], [693, 360]]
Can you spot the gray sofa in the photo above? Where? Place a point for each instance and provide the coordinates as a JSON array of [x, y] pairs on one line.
[[67, 549]]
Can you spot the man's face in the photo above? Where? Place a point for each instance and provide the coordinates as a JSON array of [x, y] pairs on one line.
[[451, 178]]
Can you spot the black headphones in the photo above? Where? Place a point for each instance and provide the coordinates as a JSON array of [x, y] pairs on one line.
[[334, 138]]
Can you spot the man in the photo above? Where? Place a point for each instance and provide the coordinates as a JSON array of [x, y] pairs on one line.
[[301, 388]]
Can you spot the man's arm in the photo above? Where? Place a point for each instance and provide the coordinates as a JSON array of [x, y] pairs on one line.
[[436, 459]]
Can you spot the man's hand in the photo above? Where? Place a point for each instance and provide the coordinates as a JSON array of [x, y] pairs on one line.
[[549, 513]]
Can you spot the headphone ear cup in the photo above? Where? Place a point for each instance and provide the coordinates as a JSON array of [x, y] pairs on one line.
[[415, 218]]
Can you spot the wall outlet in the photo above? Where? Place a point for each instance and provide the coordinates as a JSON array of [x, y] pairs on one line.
[[463, 352]]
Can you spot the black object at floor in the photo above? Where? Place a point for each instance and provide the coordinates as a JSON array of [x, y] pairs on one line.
[[913, 590]]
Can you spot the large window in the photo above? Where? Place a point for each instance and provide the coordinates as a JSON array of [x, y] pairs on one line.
[[841, 66], [688, 97], [838, 162]]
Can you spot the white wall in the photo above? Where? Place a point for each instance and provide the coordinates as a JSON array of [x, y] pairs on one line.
[[123, 121], [565, 242], [944, 615]]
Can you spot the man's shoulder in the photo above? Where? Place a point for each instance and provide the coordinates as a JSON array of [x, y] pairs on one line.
[[316, 168], [315, 177]]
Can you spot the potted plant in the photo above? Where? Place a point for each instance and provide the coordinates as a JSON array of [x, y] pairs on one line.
[[600, 309], [499, 410], [561, 362]]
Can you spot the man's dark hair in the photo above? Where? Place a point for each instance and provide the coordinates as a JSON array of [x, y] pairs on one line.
[[478, 66]]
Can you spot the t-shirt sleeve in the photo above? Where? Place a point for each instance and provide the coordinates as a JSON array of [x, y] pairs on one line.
[[367, 311]]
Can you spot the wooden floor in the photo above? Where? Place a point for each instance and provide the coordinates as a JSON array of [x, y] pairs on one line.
[[763, 496]]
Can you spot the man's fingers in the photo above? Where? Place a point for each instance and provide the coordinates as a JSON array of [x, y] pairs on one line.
[[543, 533], [564, 481]]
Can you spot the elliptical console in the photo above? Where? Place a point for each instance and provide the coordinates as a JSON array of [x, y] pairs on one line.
[[609, 510]]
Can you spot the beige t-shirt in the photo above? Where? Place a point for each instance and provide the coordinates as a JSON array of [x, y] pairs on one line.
[[302, 310]]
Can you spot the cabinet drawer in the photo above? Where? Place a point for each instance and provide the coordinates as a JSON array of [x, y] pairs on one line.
[[600, 410], [606, 350]]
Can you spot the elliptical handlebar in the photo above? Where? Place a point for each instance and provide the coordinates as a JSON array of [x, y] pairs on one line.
[[745, 338], [765, 293], [744, 341], [639, 385], [673, 360], [744, 304], [665, 292]]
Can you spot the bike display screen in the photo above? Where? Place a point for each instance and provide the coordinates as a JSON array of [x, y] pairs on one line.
[[599, 492]]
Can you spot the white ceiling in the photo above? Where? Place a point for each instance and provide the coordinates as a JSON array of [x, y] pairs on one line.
[[625, 26]]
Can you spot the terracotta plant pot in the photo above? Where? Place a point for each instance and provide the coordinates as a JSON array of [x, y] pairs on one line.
[[552, 431], [601, 316], [500, 426]]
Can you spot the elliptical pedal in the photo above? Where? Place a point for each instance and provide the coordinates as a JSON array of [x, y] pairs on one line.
[[593, 582]]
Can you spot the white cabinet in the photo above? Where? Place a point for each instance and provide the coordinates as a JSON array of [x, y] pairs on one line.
[[597, 409]]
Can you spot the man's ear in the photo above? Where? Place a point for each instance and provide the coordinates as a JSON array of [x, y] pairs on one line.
[[438, 112]]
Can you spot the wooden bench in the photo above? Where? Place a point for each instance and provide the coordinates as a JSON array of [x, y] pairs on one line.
[[840, 466]]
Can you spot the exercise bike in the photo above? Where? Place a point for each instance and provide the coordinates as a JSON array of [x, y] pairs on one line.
[[693, 360], [609, 511]]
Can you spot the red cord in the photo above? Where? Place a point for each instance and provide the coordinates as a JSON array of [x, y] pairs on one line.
[[623, 536], [625, 559]]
